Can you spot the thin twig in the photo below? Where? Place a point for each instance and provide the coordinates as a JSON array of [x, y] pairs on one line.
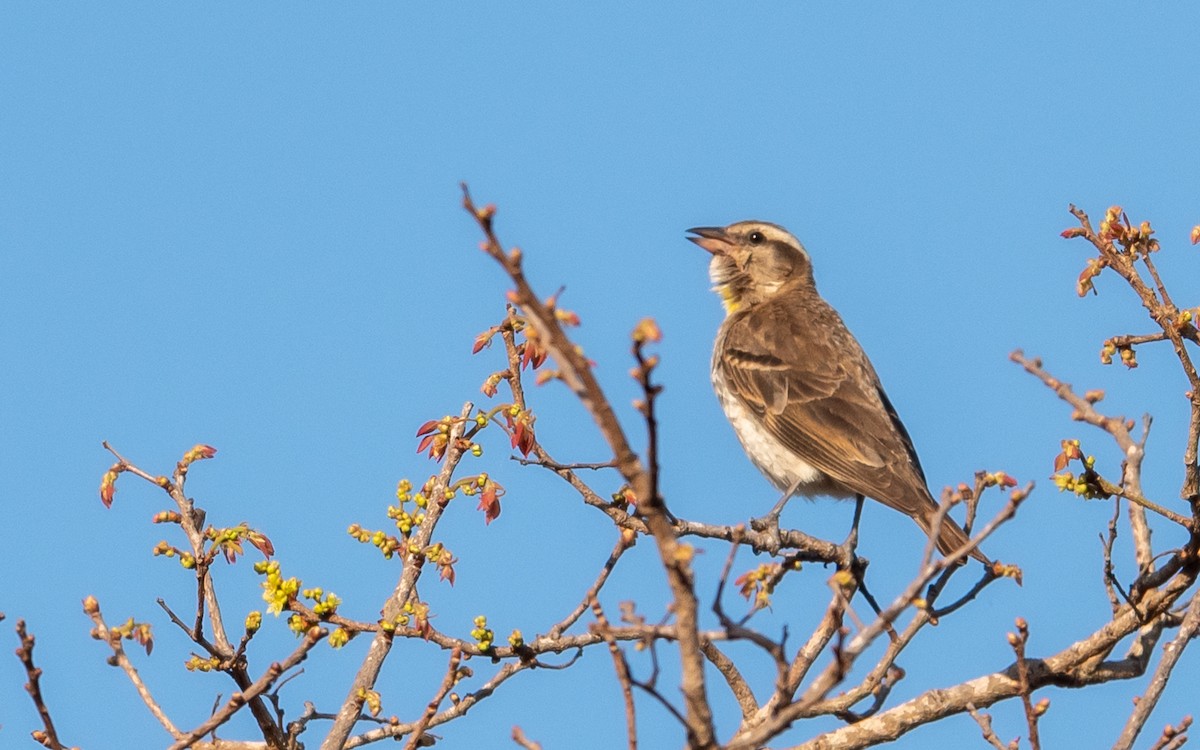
[[47, 735], [1115, 426], [519, 737], [257, 688], [451, 712], [1032, 713], [381, 644], [623, 677], [196, 637], [593, 591], [102, 633], [451, 677], [1173, 737], [575, 370], [985, 725], [555, 466], [783, 715], [1171, 653]]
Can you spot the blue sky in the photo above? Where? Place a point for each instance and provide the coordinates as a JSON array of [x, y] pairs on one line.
[[240, 225]]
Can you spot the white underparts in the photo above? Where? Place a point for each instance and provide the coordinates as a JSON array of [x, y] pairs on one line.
[[778, 463]]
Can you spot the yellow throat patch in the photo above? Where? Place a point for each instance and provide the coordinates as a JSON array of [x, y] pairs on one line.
[[729, 298]]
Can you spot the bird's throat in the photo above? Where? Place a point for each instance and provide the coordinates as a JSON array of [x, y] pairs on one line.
[[730, 299]]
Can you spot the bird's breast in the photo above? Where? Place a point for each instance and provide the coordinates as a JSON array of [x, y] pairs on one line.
[[776, 461]]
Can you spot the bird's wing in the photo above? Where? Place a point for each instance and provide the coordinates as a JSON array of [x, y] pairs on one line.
[[817, 393]]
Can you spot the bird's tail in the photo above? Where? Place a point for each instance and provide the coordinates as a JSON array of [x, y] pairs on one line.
[[951, 536]]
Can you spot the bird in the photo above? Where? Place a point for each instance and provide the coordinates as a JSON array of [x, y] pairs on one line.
[[802, 396]]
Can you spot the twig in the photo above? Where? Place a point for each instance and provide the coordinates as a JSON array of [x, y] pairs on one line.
[[1163, 311], [1131, 479], [1017, 641], [192, 522], [1115, 426], [555, 466], [1173, 737], [452, 675], [987, 578], [736, 629], [881, 693], [985, 725], [623, 677], [102, 633], [1122, 342], [1067, 668], [196, 636], [783, 715], [742, 692], [1111, 584], [381, 644], [47, 735], [576, 372], [806, 655], [450, 713], [257, 688], [519, 737], [593, 591], [1171, 653]]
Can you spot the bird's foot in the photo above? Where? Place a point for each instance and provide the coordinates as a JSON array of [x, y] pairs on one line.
[[768, 527]]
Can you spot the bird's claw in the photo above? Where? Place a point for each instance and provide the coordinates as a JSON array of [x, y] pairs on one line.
[[768, 526]]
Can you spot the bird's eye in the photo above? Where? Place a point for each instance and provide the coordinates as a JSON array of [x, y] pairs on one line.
[[756, 238]]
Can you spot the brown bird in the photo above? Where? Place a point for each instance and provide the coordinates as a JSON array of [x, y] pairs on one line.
[[797, 387]]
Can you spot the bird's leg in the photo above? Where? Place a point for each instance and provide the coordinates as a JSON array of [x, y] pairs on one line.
[[855, 565], [851, 542], [769, 524]]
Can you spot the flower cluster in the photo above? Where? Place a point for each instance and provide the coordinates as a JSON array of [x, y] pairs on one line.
[[278, 592], [435, 437], [1116, 227], [759, 584], [1128, 355], [186, 559], [229, 541], [482, 634], [324, 604], [339, 637], [1088, 483], [443, 559], [138, 632], [202, 664]]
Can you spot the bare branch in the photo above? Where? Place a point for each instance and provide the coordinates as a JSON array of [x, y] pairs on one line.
[[1118, 427], [1032, 713], [102, 633], [1173, 737], [1068, 667], [381, 644], [1171, 653], [576, 372], [257, 688], [593, 591], [47, 735], [623, 677], [452, 676], [520, 738], [985, 725]]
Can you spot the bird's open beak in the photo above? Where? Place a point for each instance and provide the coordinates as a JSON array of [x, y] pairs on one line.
[[712, 239]]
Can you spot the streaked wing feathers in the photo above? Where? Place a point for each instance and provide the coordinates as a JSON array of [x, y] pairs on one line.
[[818, 395]]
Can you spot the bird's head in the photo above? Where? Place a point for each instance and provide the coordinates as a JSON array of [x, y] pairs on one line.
[[752, 261]]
